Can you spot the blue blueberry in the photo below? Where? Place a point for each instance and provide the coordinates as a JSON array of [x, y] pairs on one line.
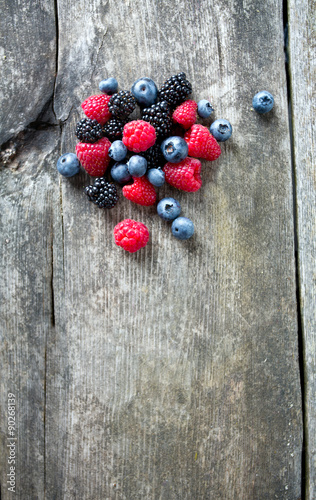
[[117, 151], [156, 176], [263, 102], [68, 165], [145, 91], [174, 149], [109, 86], [168, 209], [137, 166], [120, 173], [182, 228], [205, 109], [221, 129]]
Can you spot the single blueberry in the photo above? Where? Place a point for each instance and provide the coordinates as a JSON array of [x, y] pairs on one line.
[[168, 208], [263, 102], [109, 86], [137, 166], [182, 228], [156, 176], [145, 91], [221, 129], [117, 151], [68, 165], [120, 173], [205, 109], [174, 149]]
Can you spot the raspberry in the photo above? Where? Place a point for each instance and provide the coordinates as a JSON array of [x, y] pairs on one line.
[[185, 114], [201, 143], [184, 175], [141, 192], [94, 157], [96, 107], [131, 235], [138, 136]]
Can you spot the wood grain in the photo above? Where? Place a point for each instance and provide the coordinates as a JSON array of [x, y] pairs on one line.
[[171, 373], [303, 74]]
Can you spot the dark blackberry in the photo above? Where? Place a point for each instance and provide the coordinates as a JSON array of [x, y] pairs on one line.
[[154, 157], [159, 116], [175, 90], [113, 129], [122, 104], [102, 193], [88, 130]]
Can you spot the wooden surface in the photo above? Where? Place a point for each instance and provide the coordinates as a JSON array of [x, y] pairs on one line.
[[303, 77], [172, 373]]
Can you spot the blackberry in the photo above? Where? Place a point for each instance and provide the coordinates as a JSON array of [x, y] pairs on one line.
[[102, 193], [88, 130], [159, 116], [175, 90], [113, 129], [154, 157], [122, 104]]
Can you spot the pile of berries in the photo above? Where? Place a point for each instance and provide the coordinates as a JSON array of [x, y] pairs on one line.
[[165, 144]]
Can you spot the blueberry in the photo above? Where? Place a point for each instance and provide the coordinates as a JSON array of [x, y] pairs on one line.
[[221, 129], [68, 165], [174, 149], [182, 228], [263, 102], [205, 109], [137, 166], [109, 86], [156, 176], [120, 173], [168, 208], [145, 91], [117, 151]]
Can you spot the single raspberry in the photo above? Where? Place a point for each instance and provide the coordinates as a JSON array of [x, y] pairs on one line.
[[96, 107], [131, 235], [94, 157], [185, 114], [138, 135], [184, 175], [141, 192], [201, 143]]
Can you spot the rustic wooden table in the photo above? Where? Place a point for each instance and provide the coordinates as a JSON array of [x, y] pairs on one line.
[[186, 370]]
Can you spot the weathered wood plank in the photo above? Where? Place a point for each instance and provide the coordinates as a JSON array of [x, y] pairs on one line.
[[183, 359], [171, 373], [27, 63], [302, 49]]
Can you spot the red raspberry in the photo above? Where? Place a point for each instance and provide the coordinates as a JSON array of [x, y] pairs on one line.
[[96, 108], [131, 235], [185, 114], [201, 143], [139, 135], [184, 175], [94, 157], [141, 191]]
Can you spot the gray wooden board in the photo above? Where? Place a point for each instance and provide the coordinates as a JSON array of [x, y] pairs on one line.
[[171, 373], [302, 49]]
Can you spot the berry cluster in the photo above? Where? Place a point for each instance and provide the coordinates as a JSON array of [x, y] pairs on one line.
[[164, 145]]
